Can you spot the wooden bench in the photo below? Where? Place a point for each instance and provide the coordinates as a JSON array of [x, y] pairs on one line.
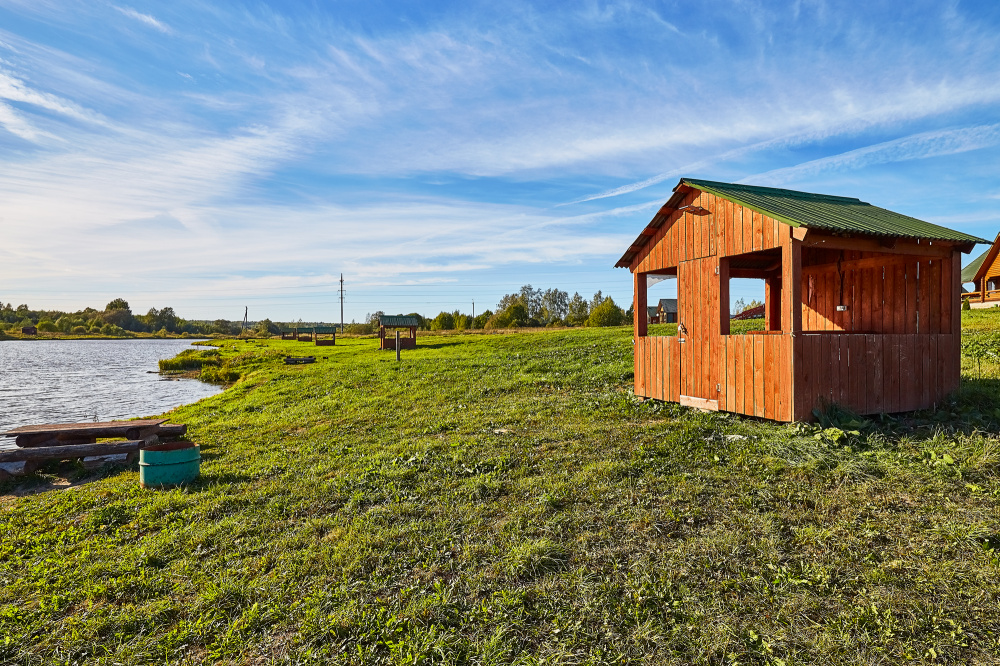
[[66, 441]]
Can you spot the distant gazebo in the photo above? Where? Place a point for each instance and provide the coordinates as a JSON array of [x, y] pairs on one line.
[[390, 323]]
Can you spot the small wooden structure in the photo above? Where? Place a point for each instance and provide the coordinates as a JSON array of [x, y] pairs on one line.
[[984, 272], [29, 330], [65, 441], [393, 322], [320, 331], [861, 304]]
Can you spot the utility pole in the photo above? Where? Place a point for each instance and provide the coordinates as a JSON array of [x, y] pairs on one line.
[[246, 322], [341, 302], [473, 309]]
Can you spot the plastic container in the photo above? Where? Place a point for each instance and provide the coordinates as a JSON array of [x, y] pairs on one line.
[[170, 464]]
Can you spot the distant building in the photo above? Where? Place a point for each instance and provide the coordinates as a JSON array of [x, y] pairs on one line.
[[652, 316], [984, 271], [667, 310], [750, 313], [29, 330]]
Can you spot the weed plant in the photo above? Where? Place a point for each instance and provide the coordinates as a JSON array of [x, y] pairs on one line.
[[505, 499]]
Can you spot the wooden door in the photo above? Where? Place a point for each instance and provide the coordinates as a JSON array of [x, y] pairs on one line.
[[696, 292]]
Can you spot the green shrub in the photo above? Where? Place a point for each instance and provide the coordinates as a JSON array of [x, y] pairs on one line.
[[79, 330], [47, 326], [443, 322], [606, 314], [190, 359]]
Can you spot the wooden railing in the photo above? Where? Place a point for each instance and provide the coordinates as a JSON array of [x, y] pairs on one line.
[[977, 296]]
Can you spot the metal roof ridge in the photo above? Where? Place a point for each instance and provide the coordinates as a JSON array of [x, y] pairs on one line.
[[794, 194]]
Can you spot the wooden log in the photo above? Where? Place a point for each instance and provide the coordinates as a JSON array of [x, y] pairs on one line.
[[53, 439], [172, 430], [67, 452]]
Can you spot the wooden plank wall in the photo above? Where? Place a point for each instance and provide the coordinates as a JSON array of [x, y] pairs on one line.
[[873, 374], [757, 373], [657, 368], [728, 229], [905, 295]]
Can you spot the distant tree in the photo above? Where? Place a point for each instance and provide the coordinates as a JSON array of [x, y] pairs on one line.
[[596, 300], [577, 310], [47, 326], [266, 327], [481, 319], [373, 318], [555, 306], [117, 304], [443, 322], [606, 314]]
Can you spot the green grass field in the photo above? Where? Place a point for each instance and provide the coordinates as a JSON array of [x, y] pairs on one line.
[[504, 499]]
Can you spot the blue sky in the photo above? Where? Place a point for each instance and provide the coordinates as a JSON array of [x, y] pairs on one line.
[[209, 156]]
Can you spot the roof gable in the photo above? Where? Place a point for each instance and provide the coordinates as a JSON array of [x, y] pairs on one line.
[[804, 209], [975, 270]]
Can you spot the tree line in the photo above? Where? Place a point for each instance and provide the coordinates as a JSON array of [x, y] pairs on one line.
[[117, 319], [528, 307]]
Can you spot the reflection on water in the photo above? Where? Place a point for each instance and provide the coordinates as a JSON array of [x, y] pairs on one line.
[[63, 381]]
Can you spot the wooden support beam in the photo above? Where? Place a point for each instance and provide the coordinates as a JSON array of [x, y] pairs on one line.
[[724, 296], [923, 249], [772, 304], [858, 264], [639, 312], [791, 278]]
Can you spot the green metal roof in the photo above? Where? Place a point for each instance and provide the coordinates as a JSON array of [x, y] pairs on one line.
[[396, 320], [829, 213], [969, 272]]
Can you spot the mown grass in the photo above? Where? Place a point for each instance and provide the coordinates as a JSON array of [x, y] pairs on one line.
[[499, 499]]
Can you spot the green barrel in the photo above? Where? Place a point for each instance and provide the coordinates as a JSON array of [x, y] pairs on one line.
[[170, 464]]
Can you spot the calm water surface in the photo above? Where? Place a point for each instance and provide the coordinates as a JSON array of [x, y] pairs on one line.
[[64, 381]]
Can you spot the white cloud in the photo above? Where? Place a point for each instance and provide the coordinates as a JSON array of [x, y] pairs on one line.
[[145, 18]]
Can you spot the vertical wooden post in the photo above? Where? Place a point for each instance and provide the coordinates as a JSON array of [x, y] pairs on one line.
[[791, 326], [982, 290], [724, 296], [772, 303], [639, 313], [397, 344], [791, 280]]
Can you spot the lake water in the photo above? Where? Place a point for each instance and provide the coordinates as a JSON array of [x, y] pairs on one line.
[[65, 381]]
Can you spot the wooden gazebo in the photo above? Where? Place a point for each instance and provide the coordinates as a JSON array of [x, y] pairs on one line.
[[387, 323], [861, 305], [984, 272]]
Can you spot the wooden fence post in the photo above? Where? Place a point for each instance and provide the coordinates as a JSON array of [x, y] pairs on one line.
[[397, 344]]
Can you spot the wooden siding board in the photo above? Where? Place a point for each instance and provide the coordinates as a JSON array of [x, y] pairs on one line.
[[934, 295], [949, 292], [746, 216], [899, 299], [910, 268], [758, 371], [923, 302], [878, 290]]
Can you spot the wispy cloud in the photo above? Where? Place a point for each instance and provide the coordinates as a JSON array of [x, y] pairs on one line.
[[917, 146], [149, 20]]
